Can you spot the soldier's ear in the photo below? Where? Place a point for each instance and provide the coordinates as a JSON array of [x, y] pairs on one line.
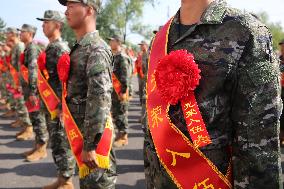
[[90, 11]]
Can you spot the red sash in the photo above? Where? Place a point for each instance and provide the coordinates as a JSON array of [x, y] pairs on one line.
[[14, 74], [33, 106], [117, 86], [23, 69], [74, 135], [25, 73], [181, 158], [48, 96]]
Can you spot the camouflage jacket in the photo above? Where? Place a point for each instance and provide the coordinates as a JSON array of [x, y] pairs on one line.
[[16, 52], [238, 95], [53, 51], [90, 87], [31, 53], [281, 58], [144, 62], [121, 70]]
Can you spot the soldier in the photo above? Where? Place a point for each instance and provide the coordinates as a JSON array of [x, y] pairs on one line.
[[119, 98], [141, 63], [281, 44], [4, 92], [2, 86], [238, 98], [89, 88], [130, 54], [18, 48], [9, 81], [31, 95], [62, 155]]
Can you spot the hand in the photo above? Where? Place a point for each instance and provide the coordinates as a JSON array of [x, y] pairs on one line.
[[89, 158], [33, 100], [123, 97]]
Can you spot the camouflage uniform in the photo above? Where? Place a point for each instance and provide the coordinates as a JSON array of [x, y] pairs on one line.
[[62, 155], [10, 81], [31, 53], [61, 152], [144, 69], [4, 92], [21, 108], [141, 80], [282, 96], [119, 108], [89, 99], [238, 97]]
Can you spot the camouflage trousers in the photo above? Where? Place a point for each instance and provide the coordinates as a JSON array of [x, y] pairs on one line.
[[140, 87], [98, 180], [155, 175], [39, 127], [37, 118], [3, 87], [130, 87], [22, 111], [61, 151], [119, 111], [95, 180]]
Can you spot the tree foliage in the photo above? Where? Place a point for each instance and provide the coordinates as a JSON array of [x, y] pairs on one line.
[[2, 28], [122, 17]]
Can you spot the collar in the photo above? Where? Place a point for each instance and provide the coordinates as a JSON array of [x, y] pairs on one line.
[[88, 38]]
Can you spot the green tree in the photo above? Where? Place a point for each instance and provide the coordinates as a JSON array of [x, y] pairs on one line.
[[275, 28], [122, 17], [2, 28]]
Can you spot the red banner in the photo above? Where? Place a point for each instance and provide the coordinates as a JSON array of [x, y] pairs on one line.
[[183, 161]]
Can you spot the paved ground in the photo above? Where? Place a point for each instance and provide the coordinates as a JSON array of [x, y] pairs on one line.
[[16, 173]]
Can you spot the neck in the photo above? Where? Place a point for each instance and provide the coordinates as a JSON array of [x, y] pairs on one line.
[[54, 37], [16, 40], [116, 51], [85, 28], [190, 13], [28, 42]]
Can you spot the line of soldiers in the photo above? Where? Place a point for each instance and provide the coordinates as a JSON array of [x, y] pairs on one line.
[[238, 99], [90, 78]]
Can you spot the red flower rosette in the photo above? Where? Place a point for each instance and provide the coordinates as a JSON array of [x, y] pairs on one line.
[[41, 61], [22, 58], [63, 67], [176, 76]]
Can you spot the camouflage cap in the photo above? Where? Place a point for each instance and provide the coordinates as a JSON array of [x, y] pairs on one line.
[[143, 43], [94, 3], [281, 42], [28, 28], [52, 15], [156, 31], [115, 37], [11, 30]]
